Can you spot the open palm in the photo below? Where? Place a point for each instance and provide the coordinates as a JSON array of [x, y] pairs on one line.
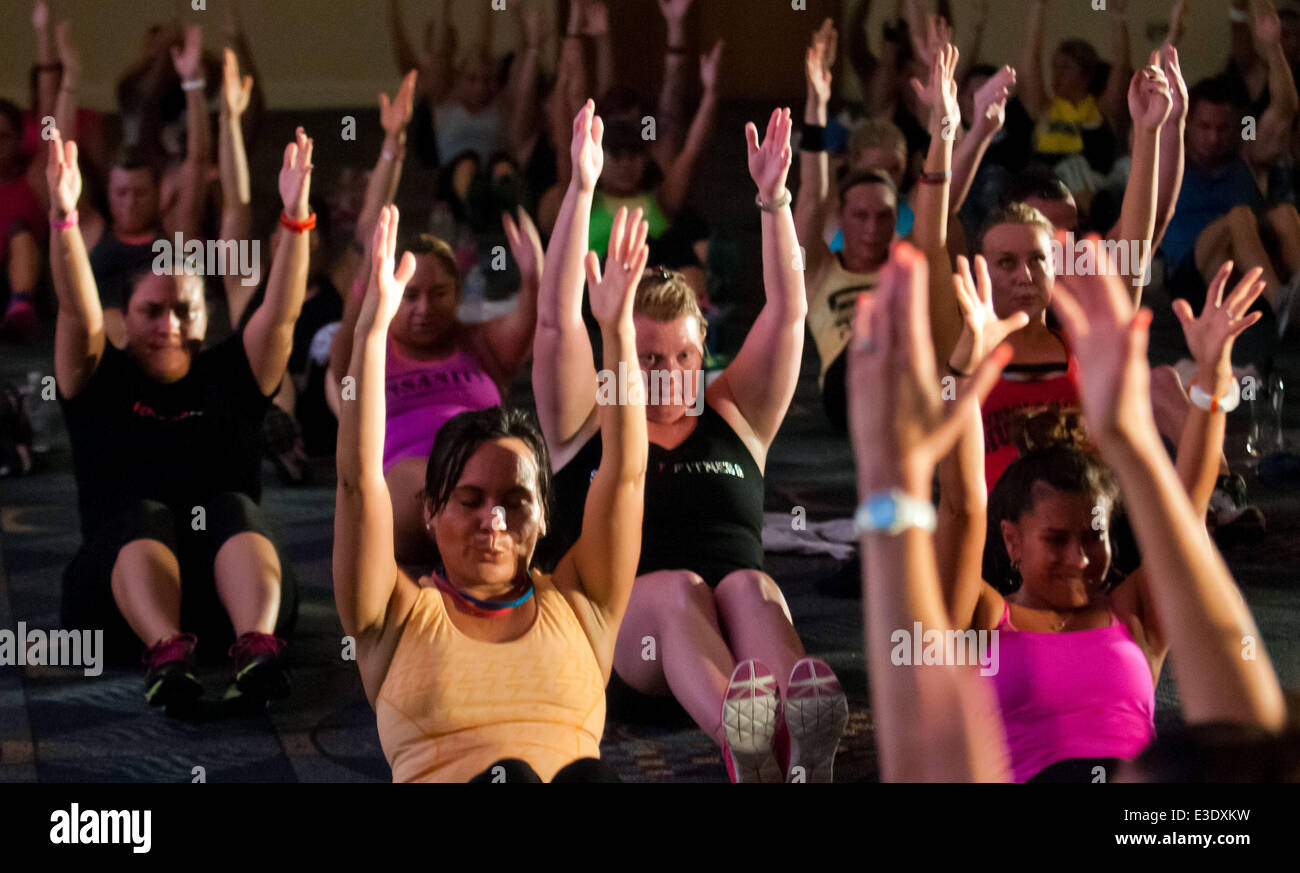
[[769, 163], [612, 291]]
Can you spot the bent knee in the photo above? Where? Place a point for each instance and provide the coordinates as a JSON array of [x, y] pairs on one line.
[[750, 586], [677, 590]]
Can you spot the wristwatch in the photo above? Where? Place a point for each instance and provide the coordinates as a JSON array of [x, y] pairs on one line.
[[893, 512], [1210, 403]]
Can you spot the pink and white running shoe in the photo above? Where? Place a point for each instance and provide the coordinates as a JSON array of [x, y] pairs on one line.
[[816, 712], [749, 716]]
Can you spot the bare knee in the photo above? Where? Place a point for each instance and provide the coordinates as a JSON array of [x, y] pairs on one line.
[[1241, 216], [748, 589], [144, 560], [1283, 214], [682, 592], [248, 549]]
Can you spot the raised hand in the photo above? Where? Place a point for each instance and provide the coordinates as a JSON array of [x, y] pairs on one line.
[[991, 98], [899, 424], [709, 67], [295, 177], [1177, 18], [982, 330], [69, 57], [40, 15], [395, 115], [1149, 100], [674, 10], [1268, 27], [1168, 62], [613, 292], [525, 245], [595, 18], [384, 292], [817, 69], [63, 176], [1114, 378], [769, 163], [236, 91], [586, 149], [1211, 336], [937, 35], [940, 93], [186, 59], [534, 23]]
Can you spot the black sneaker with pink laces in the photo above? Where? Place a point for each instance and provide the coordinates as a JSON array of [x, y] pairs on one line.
[[169, 677], [257, 668]]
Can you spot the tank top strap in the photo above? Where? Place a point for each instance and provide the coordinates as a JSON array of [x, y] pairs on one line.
[[1005, 621]]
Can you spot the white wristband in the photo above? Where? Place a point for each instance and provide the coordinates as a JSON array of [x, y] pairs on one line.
[[1212, 404], [893, 512], [194, 84], [1240, 16]]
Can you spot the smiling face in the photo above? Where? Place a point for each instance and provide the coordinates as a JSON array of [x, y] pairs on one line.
[[165, 318], [1063, 557], [674, 348], [477, 549], [426, 316], [1020, 267]]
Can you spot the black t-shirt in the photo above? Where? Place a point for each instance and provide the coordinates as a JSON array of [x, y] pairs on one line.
[[703, 504], [180, 443], [114, 263]]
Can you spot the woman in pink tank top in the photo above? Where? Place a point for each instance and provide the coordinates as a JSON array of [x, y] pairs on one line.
[[438, 367]]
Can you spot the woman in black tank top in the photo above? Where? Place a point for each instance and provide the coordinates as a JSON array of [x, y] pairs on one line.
[[702, 609]]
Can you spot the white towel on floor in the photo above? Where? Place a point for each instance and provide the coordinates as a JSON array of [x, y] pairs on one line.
[[835, 538]]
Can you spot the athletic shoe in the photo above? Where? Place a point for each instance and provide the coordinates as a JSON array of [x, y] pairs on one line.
[[257, 668], [750, 710], [20, 324], [1232, 519], [170, 677], [816, 712]]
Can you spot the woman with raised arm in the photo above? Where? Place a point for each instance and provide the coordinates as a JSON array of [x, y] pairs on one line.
[[721, 630], [489, 669], [167, 456], [1081, 645]]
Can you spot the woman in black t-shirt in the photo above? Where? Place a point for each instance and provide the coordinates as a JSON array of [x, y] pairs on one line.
[[165, 444]]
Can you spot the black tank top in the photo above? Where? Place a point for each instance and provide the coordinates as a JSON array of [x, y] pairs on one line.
[[703, 504]]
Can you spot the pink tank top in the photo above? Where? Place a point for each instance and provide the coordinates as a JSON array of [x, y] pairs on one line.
[[422, 396], [1081, 694]]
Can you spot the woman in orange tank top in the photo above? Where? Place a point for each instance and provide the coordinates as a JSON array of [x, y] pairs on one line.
[[490, 670]]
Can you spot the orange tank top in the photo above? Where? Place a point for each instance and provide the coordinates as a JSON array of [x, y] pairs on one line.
[[451, 706]]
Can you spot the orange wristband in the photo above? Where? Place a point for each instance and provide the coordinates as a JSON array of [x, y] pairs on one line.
[[298, 226]]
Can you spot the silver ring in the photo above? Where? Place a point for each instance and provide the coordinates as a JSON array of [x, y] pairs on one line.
[[626, 266]]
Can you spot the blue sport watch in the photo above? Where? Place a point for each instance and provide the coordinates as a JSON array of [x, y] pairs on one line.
[[893, 512]]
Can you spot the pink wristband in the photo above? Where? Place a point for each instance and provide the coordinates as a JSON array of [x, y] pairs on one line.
[[65, 224]]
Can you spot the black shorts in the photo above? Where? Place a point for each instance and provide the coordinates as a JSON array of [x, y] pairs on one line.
[[834, 392], [1256, 345], [87, 582]]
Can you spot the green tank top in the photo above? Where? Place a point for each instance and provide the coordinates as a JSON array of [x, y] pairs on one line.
[[603, 209]]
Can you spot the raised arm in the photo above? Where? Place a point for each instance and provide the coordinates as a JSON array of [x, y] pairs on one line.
[[365, 568], [521, 91], [606, 553], [814, 200], [47, 71], [990, 114], [934, 723], [394, 116], [507, 340], [237, 40], [931, 230], [1170, 165], [1273, 139], [236, 197], [595, 24], [268, 338], [762, 378], [1113, 98], [79, 332], [192, 181], [970, 55], [671, 111], [1033, 92], [1149, 103], [1201, 612], [65, 103], [564, 372], [963, 503], [677, 179]]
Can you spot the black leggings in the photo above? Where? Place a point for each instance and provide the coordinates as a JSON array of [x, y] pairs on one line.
[[87, 582], [834, 393], [581, 770]]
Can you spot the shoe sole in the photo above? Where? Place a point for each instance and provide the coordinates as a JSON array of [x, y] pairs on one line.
[[260, 682], [816, 713], [749, 713]]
